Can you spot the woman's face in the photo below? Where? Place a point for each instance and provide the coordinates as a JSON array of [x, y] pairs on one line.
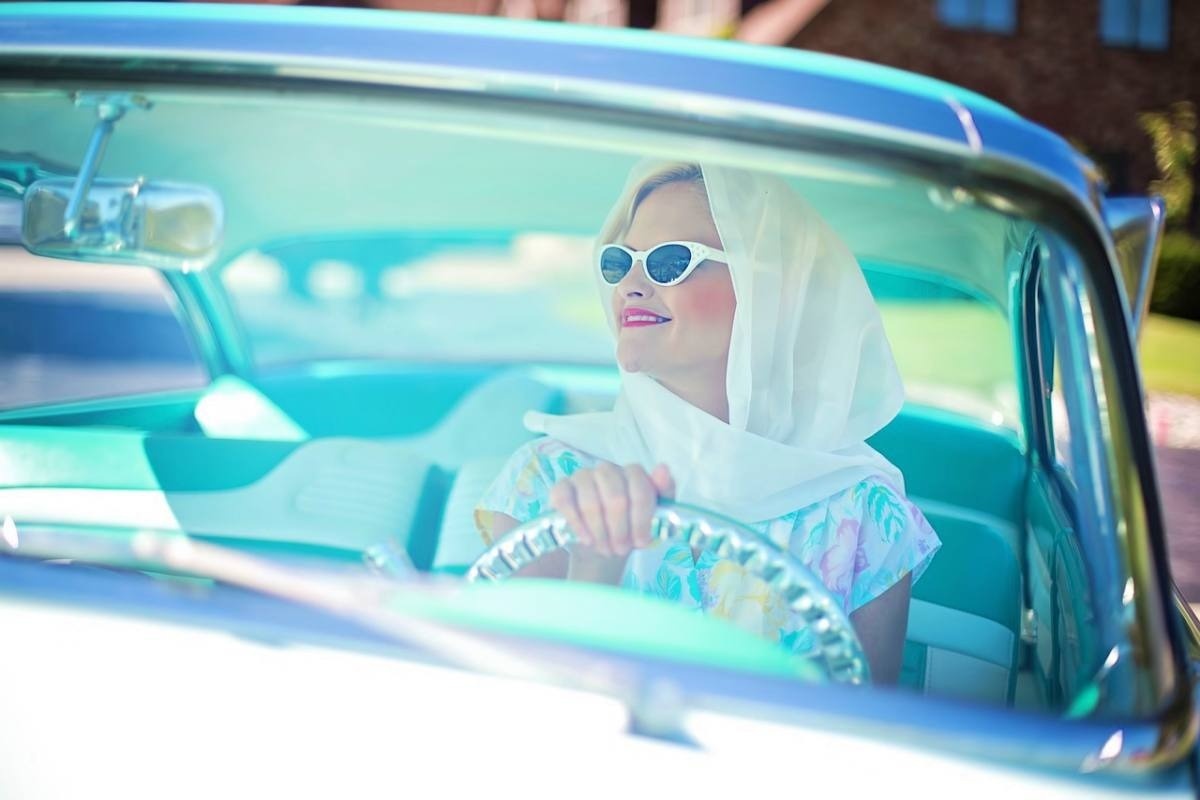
[[693, 342]]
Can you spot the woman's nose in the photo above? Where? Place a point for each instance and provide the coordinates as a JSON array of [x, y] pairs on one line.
[[634, 284]]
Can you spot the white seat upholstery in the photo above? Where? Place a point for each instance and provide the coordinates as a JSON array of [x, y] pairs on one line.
[[334, 492], [459, 543], [474, 440], [960, 654], [344, 493], [486, 422]]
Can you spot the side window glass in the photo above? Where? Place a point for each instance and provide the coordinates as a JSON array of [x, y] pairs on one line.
[[1056, 439], [1059, 419], [71, 331]]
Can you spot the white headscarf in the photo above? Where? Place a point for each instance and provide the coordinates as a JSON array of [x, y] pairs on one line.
[[810, 373]]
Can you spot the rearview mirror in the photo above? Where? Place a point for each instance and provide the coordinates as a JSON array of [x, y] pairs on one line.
[[165, 225]]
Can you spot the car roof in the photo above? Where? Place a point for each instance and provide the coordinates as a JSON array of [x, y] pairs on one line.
[[882, 99]]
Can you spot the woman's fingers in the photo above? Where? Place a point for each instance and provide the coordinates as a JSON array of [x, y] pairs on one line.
[[643, 497], [591, 512], [610, 508], [614, 505], [563, 499], [663, 481]]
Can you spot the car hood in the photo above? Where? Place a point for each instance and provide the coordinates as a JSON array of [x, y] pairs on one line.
[[99, 705]]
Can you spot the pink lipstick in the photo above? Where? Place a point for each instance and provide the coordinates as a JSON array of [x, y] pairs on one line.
[[633, 317]]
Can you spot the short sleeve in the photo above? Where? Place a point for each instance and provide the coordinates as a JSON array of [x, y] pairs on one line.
[[894, 539], [522, 488]]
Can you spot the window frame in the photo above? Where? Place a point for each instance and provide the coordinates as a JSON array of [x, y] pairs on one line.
[[1133, 34], [1061, 283], [1044, 318], [977, 15]]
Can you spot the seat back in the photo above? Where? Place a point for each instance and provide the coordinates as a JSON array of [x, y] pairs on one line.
[[964, 621], [336, 493], [487, 421], [459, 542]]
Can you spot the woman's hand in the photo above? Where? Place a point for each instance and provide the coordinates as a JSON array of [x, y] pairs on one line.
[[609, 508]]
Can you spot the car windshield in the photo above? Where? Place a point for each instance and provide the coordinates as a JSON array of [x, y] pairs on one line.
[[415, 265], [400, 280]]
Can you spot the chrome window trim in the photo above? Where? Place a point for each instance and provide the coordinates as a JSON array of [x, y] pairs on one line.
[[1121, 475]]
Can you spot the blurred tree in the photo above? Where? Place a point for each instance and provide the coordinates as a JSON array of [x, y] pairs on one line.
[[1177, 280], [1173, 137]]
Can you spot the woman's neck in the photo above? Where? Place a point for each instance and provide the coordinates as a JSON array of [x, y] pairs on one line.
[[706, 391]]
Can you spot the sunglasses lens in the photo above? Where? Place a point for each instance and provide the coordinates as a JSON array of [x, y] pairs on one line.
[[666, 263], [614, 264]]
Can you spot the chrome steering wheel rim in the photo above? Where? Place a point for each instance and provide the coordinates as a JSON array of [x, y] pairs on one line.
[[836, 648]]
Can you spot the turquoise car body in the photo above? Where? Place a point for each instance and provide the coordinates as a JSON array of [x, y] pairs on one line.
[[1060, 573]]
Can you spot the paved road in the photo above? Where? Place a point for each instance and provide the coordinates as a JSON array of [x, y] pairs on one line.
[[1179, 483]]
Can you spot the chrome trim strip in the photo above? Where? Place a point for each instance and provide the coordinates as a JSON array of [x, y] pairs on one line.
[[974, 140], [694, 105]]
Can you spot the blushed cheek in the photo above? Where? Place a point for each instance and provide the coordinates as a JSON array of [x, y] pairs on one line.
[[710, 305], [716, 302]]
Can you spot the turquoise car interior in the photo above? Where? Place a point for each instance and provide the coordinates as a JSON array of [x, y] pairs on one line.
[[412, 479]]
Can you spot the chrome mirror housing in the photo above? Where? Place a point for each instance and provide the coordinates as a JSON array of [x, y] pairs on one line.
[[169, 226], [1136, 224]]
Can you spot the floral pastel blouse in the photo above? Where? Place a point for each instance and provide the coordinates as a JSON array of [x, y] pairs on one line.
[[859, 542]]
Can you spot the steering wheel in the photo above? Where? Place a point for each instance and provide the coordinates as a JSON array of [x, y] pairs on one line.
[[836, 648]]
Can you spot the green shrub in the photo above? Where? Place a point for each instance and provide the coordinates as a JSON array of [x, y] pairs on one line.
[[1173, 134], [1177, 281]]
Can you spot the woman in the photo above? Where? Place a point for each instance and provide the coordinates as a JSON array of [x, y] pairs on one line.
[[753, 368]]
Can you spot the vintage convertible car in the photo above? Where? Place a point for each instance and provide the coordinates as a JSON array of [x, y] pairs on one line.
[[276, 288]]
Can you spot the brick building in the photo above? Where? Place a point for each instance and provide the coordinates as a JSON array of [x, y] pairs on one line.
[[1046, 59], [1083, 68]]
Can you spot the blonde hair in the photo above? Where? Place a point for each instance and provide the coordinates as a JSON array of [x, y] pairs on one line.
[[675, 173]]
